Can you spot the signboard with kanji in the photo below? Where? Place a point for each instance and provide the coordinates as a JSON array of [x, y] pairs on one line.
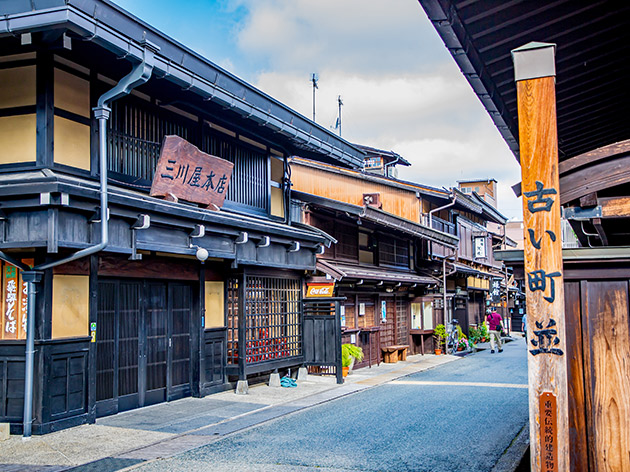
[[495, 290], [547, 369], [186, 173]]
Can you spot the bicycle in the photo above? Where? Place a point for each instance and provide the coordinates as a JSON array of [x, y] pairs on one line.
[[452, 340]]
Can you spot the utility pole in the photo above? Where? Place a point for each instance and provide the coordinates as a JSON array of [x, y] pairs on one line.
[[340, 103], [314, 80]]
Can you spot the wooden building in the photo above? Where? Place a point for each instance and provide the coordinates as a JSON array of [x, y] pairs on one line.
[[139, 299], [444, 239], [589, 99]]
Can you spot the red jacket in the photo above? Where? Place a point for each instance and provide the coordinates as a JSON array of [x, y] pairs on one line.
[[494, 321]]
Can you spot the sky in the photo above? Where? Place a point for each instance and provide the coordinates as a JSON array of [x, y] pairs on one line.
[[400, 87]]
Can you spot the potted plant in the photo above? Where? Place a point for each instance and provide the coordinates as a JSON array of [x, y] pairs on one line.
[[439, 334], [349, 354]]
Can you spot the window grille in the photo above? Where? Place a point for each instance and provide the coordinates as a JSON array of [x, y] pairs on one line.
[[134, 139], [273, 319], [135, 134], [394, 252], [249, 186]]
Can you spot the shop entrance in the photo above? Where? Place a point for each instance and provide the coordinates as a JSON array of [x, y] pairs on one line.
[[142, 344]]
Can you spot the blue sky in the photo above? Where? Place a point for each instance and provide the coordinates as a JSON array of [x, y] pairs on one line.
[[401, 89]]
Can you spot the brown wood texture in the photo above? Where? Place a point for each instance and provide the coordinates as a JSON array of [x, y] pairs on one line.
[[151, 268], [607, 373], [538, 143], [189, 174], [349, 189], [615, 207], [599, 176], [575, 373], [593, 156]]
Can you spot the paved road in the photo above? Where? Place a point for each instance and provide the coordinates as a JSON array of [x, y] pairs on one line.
[[458, 417]]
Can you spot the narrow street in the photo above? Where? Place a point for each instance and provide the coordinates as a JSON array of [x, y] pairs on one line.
[[457, 417]]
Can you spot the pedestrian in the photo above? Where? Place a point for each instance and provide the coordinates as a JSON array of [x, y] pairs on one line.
[[495, 327], [524, 321]]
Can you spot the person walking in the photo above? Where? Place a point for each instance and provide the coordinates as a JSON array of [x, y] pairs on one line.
[[524, 321], [495, 327]]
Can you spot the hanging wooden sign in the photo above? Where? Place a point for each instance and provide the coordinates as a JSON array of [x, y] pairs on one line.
[[184, 172]]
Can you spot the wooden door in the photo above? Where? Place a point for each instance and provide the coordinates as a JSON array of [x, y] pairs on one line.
[[143, 344]]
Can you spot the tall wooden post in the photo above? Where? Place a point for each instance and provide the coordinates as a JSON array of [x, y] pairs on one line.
[[534, 67]]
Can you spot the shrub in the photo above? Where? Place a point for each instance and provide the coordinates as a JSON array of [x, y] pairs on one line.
[[348, 351]]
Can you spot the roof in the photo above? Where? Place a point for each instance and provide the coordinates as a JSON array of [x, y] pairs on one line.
[[341, 271], [102, 24], [592, 66], [370, 151], [381, 218], [472, 181], [424, 190]]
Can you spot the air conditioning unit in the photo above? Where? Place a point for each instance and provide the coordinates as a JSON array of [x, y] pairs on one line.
[[373, 200]]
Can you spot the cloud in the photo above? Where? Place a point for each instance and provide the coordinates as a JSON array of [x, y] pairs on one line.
[[365, 36]]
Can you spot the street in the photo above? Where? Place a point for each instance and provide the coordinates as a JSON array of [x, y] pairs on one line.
[[458, 417]]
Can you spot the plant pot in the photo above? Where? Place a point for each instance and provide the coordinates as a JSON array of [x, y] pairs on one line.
[[438, 352], [344, 371]]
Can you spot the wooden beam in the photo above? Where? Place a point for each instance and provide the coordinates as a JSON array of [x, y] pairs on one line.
[[596, 177], [615, 207], [597, 222], [593, 156], [534, 66], [589, 200]]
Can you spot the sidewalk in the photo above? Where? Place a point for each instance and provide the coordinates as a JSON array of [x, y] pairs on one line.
[[126, 439]]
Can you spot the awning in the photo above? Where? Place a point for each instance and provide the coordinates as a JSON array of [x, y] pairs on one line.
[[344, 271]]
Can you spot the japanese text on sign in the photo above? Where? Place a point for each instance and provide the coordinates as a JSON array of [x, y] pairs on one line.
[[185, 172], [548, 432], [545, 338]]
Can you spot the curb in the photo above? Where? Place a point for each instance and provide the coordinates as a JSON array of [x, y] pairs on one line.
[[512, 457]]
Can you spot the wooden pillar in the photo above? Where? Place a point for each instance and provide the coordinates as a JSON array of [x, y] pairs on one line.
[[534, 67]]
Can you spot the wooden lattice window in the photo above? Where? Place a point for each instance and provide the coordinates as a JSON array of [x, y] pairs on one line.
[[394, 252], [273, 318]]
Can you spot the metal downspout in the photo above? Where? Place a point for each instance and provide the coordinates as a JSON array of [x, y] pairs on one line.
[[138, 75], [453, 201]]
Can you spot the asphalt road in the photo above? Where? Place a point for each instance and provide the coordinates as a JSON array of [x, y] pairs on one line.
[[458, 417]]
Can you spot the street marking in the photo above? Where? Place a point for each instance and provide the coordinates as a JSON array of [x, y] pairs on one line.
[[463, 384]]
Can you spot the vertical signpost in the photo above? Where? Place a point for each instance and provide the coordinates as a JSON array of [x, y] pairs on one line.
[[534, 67]]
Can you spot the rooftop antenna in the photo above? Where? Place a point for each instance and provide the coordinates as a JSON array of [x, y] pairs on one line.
[[314, 79], [340, 103]]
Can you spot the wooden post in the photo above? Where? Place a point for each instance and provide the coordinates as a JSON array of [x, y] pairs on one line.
[[534, 67]]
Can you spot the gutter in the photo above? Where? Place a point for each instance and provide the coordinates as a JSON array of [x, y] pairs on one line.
[[139, 75], [92, 19]]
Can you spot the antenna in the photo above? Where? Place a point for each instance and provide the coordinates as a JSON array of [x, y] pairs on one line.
[[340, 103], [314, 79]]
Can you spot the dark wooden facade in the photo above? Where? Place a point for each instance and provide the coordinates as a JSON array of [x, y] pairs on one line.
[[144, 320]]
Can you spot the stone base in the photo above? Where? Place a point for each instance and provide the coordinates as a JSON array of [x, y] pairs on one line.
[[4, 431], [242, 387], [274, 380], [302, 373]]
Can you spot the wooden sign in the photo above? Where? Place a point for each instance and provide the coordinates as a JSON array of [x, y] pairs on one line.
[[186, 173], [538, 143], [10, 296], [549, 432], [320, 290]]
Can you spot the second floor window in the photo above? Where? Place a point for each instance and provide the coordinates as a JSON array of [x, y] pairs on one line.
[[135, 134], [394, 252]]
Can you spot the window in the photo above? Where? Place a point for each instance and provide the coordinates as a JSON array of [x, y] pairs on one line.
[[366, 247], [393, 252]]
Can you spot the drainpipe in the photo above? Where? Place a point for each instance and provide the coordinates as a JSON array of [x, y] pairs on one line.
[[453, 201], [138, 75], [444, 275]]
